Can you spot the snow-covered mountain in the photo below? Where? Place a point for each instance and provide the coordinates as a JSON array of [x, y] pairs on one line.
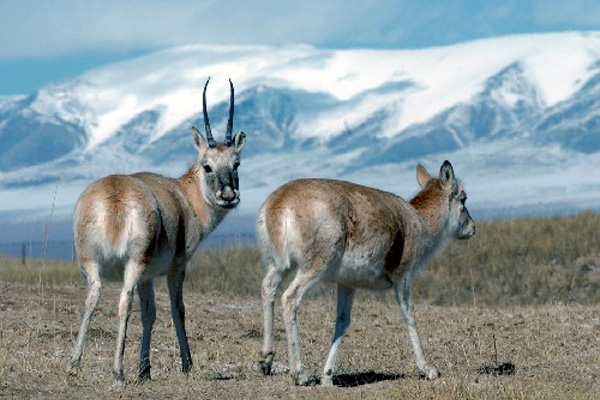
[[519, 117]]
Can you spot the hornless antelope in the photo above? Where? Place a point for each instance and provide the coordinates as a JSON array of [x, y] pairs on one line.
[[137, 227], [359, 238]]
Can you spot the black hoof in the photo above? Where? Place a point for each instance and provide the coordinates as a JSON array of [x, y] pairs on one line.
[[186, 369], [144, 375], [265, 367], [302, 379], [72, 371], [119, 380]]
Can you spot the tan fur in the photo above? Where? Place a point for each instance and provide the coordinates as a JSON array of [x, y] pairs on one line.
[[357, 237], [189, 184], [429, 203], [114, 223]]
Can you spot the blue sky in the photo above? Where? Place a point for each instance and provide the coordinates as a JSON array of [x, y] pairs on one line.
[[45, 41]]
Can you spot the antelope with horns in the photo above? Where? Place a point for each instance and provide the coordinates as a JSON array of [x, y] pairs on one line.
[[133, 228], [359, 238]]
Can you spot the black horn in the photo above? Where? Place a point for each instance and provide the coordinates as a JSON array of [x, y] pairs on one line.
[[209, 136], [228, 134]]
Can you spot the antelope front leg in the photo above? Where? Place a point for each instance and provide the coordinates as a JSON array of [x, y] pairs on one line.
[[148, 310], [345, 297], [175, 283], [404, 298], [269, 288]]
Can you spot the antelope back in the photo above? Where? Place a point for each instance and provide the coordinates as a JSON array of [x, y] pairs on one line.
[[308, 217]]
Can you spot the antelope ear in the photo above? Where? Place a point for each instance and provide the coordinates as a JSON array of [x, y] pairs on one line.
[[447, 173], [199, 141], [239, 140], [422, 176]]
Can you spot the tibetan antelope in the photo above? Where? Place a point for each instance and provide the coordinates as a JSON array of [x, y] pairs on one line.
[[359, 238], [133, 228]]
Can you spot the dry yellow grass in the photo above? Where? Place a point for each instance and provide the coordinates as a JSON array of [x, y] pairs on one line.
[[508, 262], [526, 261], [555, 348], [533, 284]]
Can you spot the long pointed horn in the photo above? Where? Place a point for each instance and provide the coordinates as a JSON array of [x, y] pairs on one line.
[[228, 134], [209, 136]]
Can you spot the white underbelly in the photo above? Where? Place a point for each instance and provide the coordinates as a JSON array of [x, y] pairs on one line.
[[360, 273]]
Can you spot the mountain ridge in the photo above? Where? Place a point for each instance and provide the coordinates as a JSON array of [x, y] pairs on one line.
[[364, 115]]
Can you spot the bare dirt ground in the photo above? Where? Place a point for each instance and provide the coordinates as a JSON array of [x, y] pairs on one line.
[[555, 349]]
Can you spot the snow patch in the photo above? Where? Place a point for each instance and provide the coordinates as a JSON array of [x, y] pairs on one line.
[[558, 64]]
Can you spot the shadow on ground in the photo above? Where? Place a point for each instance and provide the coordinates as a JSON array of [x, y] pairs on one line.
[[354, 379], [503, 368]]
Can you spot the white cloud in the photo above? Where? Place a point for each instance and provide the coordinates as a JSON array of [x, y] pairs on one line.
[[38, 28], [43, 28]]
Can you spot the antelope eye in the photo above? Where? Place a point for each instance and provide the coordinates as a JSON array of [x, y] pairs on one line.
[[207, 168]]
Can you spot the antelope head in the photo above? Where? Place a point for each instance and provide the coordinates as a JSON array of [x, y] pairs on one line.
[[219, 161], [459, 223]]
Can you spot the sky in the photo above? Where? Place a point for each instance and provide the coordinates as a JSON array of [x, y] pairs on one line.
[[46, 41]]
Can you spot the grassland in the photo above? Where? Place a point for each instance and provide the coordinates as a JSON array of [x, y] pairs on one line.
[[531, 286]]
